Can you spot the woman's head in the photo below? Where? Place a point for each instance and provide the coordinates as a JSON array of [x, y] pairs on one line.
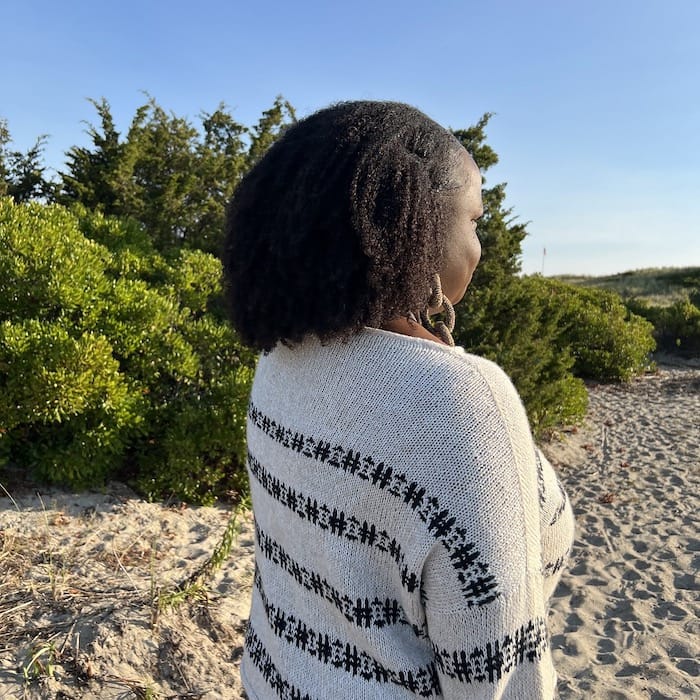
[[345, 221]]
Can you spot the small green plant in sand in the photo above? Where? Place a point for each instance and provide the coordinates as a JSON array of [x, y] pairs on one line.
[[140, 690], [194, 585], [41, 661], [145, 693]]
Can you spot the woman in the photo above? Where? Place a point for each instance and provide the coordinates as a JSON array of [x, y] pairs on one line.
[[408, 532]]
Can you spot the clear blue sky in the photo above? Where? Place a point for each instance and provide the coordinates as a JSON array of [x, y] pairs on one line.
[[597, 103]]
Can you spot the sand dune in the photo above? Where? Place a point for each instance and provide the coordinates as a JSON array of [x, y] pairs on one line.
[[81, 574]]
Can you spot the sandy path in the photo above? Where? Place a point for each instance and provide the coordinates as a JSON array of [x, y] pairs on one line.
[[79, 573], [625, 619]]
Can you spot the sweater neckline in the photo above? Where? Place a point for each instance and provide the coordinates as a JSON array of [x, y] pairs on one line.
[[409, 340]]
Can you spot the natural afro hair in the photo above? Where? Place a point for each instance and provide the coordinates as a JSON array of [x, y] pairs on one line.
[[339, 225]]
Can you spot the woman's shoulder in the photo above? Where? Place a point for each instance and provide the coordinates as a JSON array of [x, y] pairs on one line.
[[466, 386], [455, 362], [390, 368]]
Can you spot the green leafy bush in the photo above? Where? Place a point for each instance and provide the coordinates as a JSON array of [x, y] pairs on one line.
[[676, 327], [64, 404], [111, 364], [48, 269], [517, 325], [548, 335], [607, 341]]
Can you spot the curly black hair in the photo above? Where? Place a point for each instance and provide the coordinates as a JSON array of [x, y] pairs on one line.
[[339, 225]]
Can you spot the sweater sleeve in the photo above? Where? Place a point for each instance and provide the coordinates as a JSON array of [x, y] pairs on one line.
[[556, 523], [492, 646]]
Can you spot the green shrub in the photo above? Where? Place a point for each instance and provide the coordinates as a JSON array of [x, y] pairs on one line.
[[548, 335], [65, 406], [111, 365], [676, 327], [201, 440], [48, 269], [518, 325], [196, 279], [197, 445], [607, 341]]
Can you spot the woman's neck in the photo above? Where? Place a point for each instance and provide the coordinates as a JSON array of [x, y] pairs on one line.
[[407, 326]]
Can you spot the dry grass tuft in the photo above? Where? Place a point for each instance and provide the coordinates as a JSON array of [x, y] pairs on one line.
[[107, 602]]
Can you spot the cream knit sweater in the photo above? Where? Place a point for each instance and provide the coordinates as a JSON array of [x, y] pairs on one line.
[[408, 532]]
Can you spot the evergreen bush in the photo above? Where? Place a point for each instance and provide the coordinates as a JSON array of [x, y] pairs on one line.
[[112, 364]]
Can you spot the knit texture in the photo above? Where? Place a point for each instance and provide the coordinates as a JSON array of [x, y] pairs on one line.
[[408, 531]]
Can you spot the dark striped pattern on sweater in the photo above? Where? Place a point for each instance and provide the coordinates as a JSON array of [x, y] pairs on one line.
[[563, 498], [343, 655], [362, 612], [477, 585], [333, 520], [554, 567], [480, 664], [496, 658], [540, 479], [282, 688]]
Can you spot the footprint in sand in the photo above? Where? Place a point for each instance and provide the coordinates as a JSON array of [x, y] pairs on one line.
[[573, 623], [631, 575], [605, 645], [686, 582], [606, 659], [690, 666], [669, 611]]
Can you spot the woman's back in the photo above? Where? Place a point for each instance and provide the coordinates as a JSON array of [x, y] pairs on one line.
[[408, 531]]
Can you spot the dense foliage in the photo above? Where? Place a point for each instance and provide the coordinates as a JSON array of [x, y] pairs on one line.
[[171, 177], [167, 175], [115, 358], [676, 327], [667, 297], [112, 362], [607, 341]]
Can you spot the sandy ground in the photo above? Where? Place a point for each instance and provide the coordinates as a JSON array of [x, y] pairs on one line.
[[626, 617], [81, 575]]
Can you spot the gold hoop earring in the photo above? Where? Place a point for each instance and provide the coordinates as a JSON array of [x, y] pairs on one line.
[[442, 328]]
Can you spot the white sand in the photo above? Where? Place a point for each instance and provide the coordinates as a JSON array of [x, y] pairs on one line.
[[79, 572], [626, 617]]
